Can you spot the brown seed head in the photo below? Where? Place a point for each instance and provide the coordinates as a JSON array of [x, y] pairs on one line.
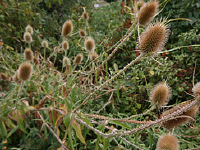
[[65, 45], [154, 38], [167, 142], [28, 54], [93, 56], [147, 12], [196, 90], [28, 37], [180, 120], [89, 44], [78, 59], [25, 71], [82, 33], [3, 76], [29, 29], [67, 28], [66, 61], [160, 94], [45, 44], [36, 61], [85, 15]]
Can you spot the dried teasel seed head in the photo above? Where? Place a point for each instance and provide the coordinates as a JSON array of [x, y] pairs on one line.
[[167, 142], [66, 61], [25, 71], [29, 29], [93, 56], [160, 94], [182, 118], [147, 12], [3, 76], [78, 59], [67, 28], [85, 15], [89, 44], [27, 37], [45, 44], [82, 33], [28, 54], [196, 90], [154, 38], [140, 4], [65, 45], [36, 61]]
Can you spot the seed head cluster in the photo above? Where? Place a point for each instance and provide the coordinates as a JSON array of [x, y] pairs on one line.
[[27, 37], [28, 54], [29, 29], [65, 45], [89, 44], [78, 59], [67, 28], [25, 71], [167, 142]]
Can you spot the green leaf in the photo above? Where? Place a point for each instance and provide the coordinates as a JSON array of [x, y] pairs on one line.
[[67, 120], [105, 143], [77, 128], [3, 128], [70, 80], [121, 124], [69, 132], [21, 124]]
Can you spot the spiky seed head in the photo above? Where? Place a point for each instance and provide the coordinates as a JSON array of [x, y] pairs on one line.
[[82, 33], [85, 15], [89, 44], [67, 28], [25, 71], [27, 37], [56, 49], [160, 94], [65, 45], [167, 142], [196, 90], [36, 61], [93, 56], [29, 29], [45, 44], [66, 61], [78, 59], [147, 12], [154, 38], [140, 4], [3, 76], [28, 54], [181, 119]]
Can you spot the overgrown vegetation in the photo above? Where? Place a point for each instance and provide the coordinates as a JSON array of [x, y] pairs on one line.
[[102, 96]]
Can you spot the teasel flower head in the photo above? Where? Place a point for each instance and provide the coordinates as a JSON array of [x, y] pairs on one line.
[[196, 90], [93, 55], [67, 28], [82, 33], [85, 15], [181, 119], [27, 37], [45, 44], [160, 94], [167, 142], [89, 44], [29, 29], [25, 71], [154, 38], [78, 59], [65, 45], [3, 76], [28, 54], [140, 4], [36, 61], [66, 62], [147, 12]]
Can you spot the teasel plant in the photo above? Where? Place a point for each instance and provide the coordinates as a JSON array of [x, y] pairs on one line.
[[62, 96]]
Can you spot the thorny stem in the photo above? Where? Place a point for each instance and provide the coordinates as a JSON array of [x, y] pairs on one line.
[[130, 143], [120, 72], [176, 113]]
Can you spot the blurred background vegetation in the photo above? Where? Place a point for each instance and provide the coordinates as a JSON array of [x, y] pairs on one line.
[[107, 25]]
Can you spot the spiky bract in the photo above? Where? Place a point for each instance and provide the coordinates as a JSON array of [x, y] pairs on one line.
[[160, 94], [154, 38], [89, 44], [167, 142], [29, 29], [28, 54], [196, 90], [25, 71], [147, 12], [27, 37], [65, 45], [82, 33], [67, 28], [182, 118], [78, 59]]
